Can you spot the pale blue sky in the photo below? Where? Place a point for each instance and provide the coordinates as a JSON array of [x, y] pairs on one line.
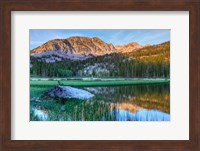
[[116, 37]]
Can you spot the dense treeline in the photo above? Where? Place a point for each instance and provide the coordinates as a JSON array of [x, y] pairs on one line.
[[56, 69], [117, 65]]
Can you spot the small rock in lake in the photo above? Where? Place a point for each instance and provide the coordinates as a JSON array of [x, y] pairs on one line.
[[67, 92], [62, 108], [38, 100], [33, 99], [42, 115]]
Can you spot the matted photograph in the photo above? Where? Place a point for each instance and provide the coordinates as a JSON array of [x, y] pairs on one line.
[[99, 75], [105, 75]]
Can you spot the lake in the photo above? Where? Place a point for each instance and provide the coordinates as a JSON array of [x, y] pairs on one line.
[[115, 103], [133, 103]]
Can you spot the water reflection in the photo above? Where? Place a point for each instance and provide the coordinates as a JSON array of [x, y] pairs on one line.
[[142, 115], [146, 96], [123, 103]]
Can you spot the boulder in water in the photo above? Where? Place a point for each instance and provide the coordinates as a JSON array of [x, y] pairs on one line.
[[67, 92]]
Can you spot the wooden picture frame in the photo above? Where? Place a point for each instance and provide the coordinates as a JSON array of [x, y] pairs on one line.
[[7, 6]]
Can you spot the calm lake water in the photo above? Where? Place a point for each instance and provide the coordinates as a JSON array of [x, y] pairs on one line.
[[121, 103]]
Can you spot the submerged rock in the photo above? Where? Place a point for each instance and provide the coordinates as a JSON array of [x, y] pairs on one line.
[[67, 92]]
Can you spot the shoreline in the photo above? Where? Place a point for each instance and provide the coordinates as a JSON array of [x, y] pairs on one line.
[[96, 83]]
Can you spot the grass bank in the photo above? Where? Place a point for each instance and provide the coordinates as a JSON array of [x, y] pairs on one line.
[[93, 83]]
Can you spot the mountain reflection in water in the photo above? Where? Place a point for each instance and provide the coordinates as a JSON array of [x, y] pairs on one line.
[[134, 103], [118, 103]]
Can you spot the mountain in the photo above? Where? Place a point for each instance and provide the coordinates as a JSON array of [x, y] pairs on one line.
[[151, 53], [79, 48], [76, 45], [133, 46]]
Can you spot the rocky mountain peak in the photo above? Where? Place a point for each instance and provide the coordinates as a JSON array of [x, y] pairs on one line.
[[128, 47], [77, 45]]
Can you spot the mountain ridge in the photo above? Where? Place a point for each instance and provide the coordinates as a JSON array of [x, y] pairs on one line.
[[84, 46], [76, 45]]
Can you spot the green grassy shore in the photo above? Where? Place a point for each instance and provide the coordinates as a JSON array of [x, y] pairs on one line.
[[91, 83]]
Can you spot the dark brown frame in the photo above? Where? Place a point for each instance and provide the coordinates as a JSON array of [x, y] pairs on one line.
[[6, 6]]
